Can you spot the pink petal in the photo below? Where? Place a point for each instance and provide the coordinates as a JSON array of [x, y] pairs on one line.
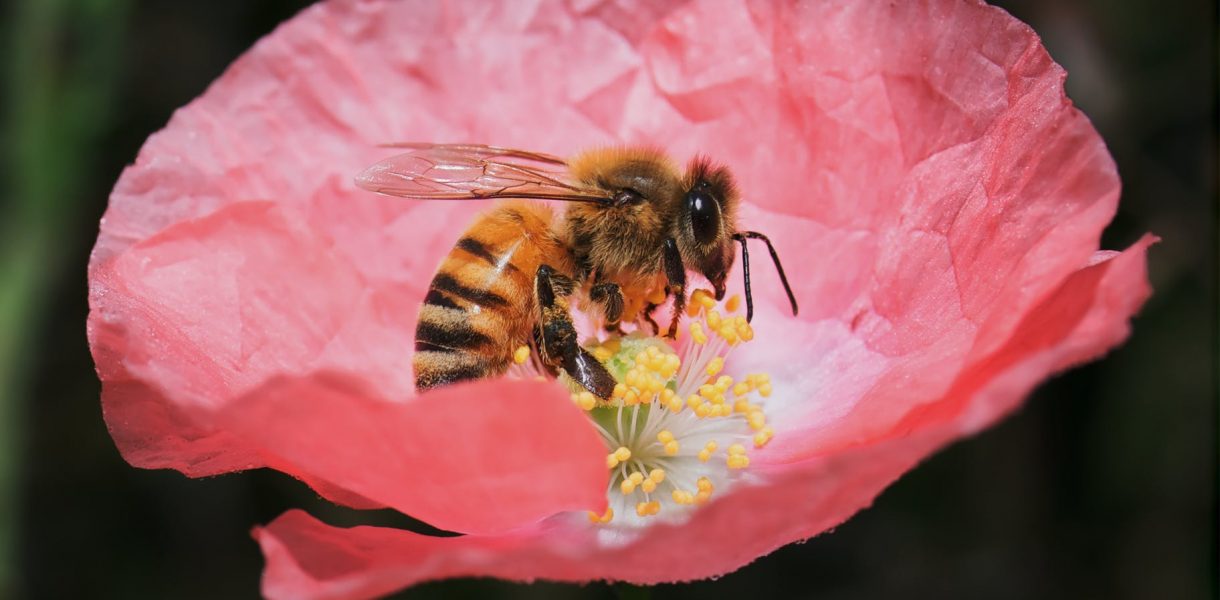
[[480, 457], [308, 559]]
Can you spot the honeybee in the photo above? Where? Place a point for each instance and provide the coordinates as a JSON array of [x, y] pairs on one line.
[[633, 225]]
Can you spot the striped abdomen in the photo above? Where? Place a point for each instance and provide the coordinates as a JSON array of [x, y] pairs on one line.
[[480, 305]]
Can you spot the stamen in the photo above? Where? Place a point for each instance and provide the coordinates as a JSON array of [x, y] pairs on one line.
[[671, 413]]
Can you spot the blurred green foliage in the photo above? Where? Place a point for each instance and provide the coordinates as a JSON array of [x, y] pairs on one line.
[[1104, 485], [60, 81]]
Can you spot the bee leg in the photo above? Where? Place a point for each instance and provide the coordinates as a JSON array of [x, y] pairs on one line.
[[610, 296], [647, 316], [675, 273], [559, 344]]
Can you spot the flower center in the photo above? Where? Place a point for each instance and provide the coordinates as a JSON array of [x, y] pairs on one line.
[[677, 429]]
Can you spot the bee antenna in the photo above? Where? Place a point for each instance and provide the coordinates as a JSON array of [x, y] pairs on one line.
[[742, 236]]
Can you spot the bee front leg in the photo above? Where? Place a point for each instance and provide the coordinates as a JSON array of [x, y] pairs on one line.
[[648, 318], [560, 347], [675, 274], [610, 297]]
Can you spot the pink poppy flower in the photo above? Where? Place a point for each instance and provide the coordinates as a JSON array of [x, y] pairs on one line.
[[936, 198]]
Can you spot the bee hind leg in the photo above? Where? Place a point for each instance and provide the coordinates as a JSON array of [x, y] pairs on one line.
[[560, 346]]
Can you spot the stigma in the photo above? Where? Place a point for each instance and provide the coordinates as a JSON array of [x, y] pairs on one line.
[[678, 429]]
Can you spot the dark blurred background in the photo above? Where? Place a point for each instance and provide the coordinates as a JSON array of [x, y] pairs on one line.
[[1104, 485]]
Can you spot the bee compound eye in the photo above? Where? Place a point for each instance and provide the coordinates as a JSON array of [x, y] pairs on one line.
[[704, 215]]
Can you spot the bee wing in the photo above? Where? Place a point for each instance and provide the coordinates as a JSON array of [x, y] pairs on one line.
[[473, 172]]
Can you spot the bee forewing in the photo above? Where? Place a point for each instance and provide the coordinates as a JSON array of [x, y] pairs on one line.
[[464, 172]]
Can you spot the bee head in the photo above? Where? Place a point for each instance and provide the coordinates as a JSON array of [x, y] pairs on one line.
[[707, 220]]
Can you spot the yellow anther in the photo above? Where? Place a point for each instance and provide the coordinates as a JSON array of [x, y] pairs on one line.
[[742, 388], [674, 404], [627, 487], [652, 351], [717, 398], [711, 446], [631, 398], [636, 477], [764, 389], [672, 360], [745, 332], [692, 310], [756, 419], [728, 333], [641, 509], [762, 437], [736, 449], [713, 320], [723, 383], [707, 390], [694, 401], [605, 518], [737, 461], [632, 378], [722, 410], [671, 448], [702, 497], [703, 410], [649, 486], [521, 355], [622, 454], [715, 366], [619, 391], [704, 455], [667, 395], [683, 497], [697, 334], [587, 400], [601, 354], [655, 385], [657, 475], [707, 299], [705, 484], [647, 509], [742, 406], [657, 363], [733, 303], [665, 436], [640, 358], [611, 461]]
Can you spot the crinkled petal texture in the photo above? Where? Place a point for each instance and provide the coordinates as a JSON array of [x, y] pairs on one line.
[[936, 198]]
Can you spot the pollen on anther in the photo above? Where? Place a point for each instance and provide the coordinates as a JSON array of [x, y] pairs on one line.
[[586, 400], [733, 303], [715, 366], [697, 334], [762, 437], [622, 454], [521, 355]]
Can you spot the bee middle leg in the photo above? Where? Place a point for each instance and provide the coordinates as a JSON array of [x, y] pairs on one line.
[[560, 347], [648, 318]]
